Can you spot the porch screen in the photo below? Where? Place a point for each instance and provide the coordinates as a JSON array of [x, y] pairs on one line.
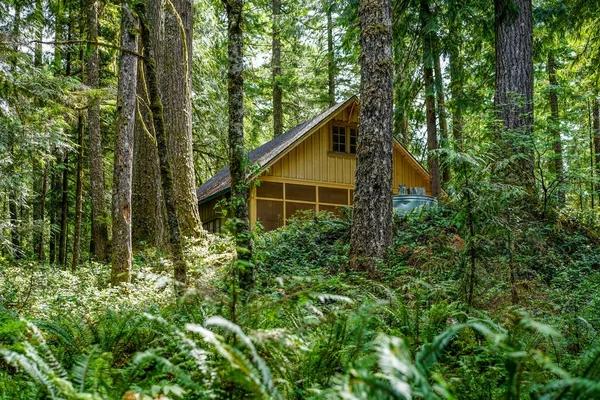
[[269, 213]]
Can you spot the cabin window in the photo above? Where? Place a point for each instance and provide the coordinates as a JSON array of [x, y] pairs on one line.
[[269, 213], [333, 195], [300, 192], [270, 190], [343, 139], [339, 139]]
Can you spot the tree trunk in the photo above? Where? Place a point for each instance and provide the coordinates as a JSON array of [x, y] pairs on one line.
[[14, 223], [276, 70], [557, 166], [148, 212], [99, 237], [40, 242], [237, 168], [514, 88], [54, 202], [441, 112], [330, 54], [166, 175], [78, 194], [596, 129], [456, 91], [175, 80], [123, 164], [58, 36], [64, 213], [428, 67], [372, 216]]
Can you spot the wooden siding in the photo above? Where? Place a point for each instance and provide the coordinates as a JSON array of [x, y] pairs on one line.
[[313, 161]]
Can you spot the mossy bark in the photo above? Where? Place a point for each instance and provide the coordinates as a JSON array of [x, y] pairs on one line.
[[166, 174], [175, 87], [99, 237], [123, 162]]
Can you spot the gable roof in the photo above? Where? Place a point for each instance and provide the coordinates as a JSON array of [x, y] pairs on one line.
[[269, 152], [265, 154]]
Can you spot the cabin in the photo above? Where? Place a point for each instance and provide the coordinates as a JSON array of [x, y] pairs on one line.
[[310, 167]]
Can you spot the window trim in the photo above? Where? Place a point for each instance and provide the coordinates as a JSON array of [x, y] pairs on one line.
[[347, 126]]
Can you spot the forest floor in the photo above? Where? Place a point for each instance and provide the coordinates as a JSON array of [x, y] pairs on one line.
[[310, 328]]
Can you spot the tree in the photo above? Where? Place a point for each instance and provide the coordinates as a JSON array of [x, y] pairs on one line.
[[123, 164], [429, 55], [371, 232], [158, 125], [237, 160], [175, 80], [514, 89], [330, 53], [557, 165], [78, 194], [99, 218], [149, 215], [276, 70]]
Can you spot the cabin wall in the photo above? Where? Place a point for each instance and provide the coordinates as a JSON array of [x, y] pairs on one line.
[[211, 217]]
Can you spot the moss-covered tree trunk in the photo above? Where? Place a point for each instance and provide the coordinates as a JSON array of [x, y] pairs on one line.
[[557, 165], [276, 69], [371, 233], [175, 81], [596, 145], [99, 237], [78, 194], [123, 162], [237, 165], [514, 89], [158, 123], [149, 215], [64, 213], [441, 112], [429, 56]]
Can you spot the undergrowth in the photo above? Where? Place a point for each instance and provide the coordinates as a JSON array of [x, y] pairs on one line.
[[312, 329]]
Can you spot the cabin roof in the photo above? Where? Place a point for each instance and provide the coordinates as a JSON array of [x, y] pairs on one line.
[[266, 154], [220, 183]]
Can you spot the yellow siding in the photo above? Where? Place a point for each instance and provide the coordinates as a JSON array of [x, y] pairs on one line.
[[312, 161]]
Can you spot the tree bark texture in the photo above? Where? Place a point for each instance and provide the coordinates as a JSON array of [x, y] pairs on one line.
[[456, 65], [330, 54], [54, 203], [99, 215], [64, 213], [40, 243], [78, 194], [148, 224], [557, 166], [514, 88], [428, 77], [371, 233], [165, 172], [176, 60], [237, 167], [441, 112], [596, 128], [123, 164], [276, 70], [14, 223]]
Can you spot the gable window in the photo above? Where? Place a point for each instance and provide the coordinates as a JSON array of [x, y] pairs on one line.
[[339, 139], [343, 139]]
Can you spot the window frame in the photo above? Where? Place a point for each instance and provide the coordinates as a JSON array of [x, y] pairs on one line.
[[347, 146]]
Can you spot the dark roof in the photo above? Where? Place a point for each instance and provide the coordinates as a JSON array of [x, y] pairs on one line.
[[263, 155]]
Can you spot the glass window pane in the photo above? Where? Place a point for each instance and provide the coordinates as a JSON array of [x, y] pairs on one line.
[[353, 136]]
